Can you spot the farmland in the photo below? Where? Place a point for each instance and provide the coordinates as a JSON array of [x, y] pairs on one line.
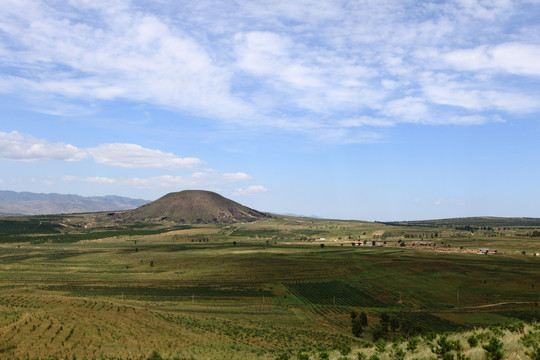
[[87, 286]]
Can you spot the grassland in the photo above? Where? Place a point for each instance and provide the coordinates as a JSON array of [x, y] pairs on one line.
[[85, 286]]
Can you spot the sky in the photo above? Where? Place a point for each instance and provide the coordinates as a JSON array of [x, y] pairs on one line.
[[367, 109]]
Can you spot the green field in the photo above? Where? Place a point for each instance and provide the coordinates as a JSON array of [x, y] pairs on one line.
[[83, 286]]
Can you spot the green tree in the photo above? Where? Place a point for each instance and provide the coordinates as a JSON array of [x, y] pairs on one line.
[[394, 324], [357, 327], [378, 333], [385, 320], [363, 319]]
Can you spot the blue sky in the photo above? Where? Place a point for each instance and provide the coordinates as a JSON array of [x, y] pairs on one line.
[[370, 110]]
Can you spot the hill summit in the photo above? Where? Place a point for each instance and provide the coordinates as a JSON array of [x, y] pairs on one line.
[[195, 206]]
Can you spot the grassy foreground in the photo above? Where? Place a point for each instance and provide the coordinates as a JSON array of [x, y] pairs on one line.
[[83, 286]]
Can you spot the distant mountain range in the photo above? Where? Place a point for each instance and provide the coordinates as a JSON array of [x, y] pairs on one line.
[[26, 203]]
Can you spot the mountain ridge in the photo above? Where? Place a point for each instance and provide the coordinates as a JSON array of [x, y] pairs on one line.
[[14, 203]]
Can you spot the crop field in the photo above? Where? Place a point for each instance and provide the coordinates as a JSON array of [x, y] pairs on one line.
[[74, 286]]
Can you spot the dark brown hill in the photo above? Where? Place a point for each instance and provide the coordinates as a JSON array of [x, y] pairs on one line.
[[195, 206]]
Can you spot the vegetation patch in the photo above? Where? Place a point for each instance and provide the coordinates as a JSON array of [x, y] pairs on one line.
[[333, 292]]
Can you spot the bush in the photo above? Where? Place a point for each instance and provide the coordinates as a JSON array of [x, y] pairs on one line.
[[535, 353], [398, 354], [430, 336], [323, 355], [380, 346], [154, 356], [473, 341], [530, 339], [413, 343], [345, 349], [444, 347], [517, 327], [494, 350], [283, 356]]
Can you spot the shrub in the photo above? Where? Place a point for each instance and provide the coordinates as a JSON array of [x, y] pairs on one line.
[[323, 355], [398, 354], [494, 350], [430, 336], [413, 343], [535, 353], [283, 356], [154, 356], [444, 347], [517, 327], [380, 346], [530, 339], [473, 341], [361, 356], [345, 349]]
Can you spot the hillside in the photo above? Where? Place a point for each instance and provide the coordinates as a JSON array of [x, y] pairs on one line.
[[27, 203], [195, 206], [476, 222]]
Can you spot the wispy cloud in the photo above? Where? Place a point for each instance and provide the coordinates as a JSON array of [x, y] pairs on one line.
[[275, 64], [206, 179]]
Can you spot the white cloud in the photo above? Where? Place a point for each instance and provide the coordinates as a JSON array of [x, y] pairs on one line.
[[17, 147], [236, 176], [135, 156], [250, 190], [513, 58]]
